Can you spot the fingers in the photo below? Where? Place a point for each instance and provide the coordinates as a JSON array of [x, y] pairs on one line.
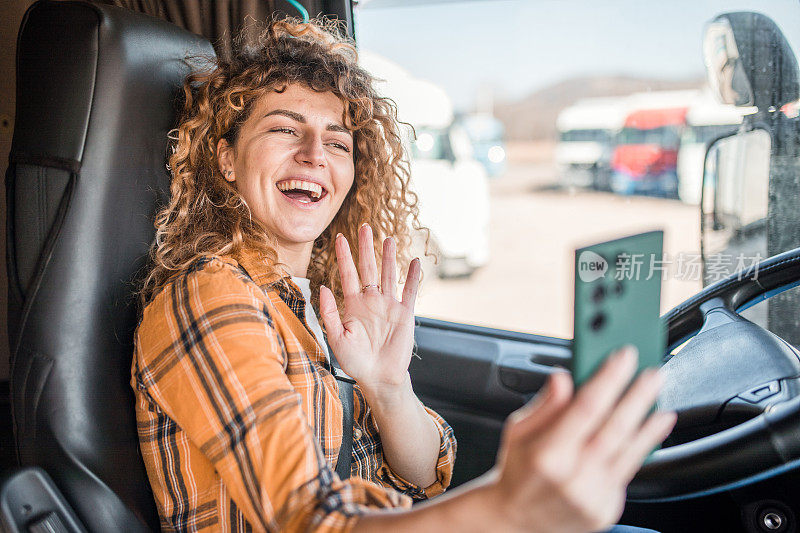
[[367, 273], [654, 431], [412, 284], [597, 397], [367, 266], [627, 416], [330, 314], [347, 269], [389, 267]]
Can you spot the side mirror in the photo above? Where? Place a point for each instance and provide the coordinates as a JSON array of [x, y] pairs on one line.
[[735, 197], [749, 62]]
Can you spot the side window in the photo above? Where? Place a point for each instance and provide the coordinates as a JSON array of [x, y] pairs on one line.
[[546, 126]]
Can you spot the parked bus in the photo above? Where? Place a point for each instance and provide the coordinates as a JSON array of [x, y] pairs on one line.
[[586, 133]]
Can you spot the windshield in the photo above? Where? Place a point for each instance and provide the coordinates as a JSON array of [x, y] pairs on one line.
[[664, 136], [584, 136], [431, 144], [483, 128], [606, 117]]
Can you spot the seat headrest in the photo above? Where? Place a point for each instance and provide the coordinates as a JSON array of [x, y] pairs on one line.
[[97, 88]]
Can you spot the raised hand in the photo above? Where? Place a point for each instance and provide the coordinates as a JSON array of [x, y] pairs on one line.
[[374, 336]]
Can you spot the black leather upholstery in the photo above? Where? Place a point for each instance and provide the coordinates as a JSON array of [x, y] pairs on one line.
[[96, 92]]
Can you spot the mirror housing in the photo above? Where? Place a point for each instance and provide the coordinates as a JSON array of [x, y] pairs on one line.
[[749, 61]]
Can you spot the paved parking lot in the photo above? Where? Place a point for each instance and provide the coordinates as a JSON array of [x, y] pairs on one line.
[[535, 227]]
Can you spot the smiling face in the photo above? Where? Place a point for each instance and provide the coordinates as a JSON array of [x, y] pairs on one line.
[[292, 163]]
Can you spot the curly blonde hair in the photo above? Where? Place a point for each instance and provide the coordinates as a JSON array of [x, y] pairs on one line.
[[207, 216]]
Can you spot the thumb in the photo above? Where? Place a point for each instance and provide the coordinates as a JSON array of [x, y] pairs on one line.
[[546, 406]]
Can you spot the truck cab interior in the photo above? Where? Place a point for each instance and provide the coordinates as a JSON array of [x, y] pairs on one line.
[[96, 94]]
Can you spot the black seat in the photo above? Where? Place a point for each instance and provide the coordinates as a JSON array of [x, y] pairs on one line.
[[96, 94]]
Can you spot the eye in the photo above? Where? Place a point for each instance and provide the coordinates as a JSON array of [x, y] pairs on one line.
[[340, 146], [283, 129]]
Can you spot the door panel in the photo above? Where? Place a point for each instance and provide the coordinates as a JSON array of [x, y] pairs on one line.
[[475, 377]]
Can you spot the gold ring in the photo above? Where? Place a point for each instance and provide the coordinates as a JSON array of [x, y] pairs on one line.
[[373, 285]]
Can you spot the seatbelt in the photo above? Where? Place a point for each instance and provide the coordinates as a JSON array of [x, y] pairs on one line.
[[346, 396]]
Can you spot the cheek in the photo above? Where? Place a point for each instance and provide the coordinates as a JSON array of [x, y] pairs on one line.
[[266, 159], [344, 177], [255, 176]]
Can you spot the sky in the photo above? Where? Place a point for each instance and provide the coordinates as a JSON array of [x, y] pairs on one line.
[[517, 46]]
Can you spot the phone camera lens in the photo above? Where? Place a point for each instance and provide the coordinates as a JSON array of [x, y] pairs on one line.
[[619, 288], [599, 294], [598, 321]]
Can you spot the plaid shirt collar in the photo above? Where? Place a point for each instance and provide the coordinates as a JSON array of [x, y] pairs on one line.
[[255, 265]]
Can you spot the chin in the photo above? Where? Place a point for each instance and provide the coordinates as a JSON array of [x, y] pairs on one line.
[[300, 236]]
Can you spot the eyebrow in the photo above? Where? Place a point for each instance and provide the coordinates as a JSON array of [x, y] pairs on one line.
[[302, 119]]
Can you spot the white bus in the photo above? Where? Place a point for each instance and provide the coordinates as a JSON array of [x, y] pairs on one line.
[[586, 133]]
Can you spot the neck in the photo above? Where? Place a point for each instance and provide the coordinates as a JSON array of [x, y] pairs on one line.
[[296, 256]]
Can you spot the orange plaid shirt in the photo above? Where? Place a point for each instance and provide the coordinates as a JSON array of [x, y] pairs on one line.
[[239, 416]]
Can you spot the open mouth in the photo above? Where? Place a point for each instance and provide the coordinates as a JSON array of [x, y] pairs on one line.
[[303, 191]]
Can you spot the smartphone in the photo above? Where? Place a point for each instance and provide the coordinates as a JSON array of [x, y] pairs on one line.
[[617, 302]]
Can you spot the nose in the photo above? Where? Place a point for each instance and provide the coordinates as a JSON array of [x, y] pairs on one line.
[[311, 152]]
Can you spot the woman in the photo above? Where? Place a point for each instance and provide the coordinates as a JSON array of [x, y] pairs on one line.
[[284, 157]]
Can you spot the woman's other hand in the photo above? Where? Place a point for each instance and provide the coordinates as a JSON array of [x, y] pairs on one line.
[[566, 459], [564, 463], [374, 336]]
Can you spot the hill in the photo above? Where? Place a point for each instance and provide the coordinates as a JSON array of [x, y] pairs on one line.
[[534, 116]]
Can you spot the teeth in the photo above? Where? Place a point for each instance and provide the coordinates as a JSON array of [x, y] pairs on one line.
[[314, 188]]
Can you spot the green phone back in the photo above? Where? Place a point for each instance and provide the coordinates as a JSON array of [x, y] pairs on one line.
[[617, 302]]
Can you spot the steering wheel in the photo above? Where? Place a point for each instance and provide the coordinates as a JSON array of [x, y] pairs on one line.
[[735, 387]]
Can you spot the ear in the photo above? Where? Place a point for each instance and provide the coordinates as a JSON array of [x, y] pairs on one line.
[[225, 160]]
